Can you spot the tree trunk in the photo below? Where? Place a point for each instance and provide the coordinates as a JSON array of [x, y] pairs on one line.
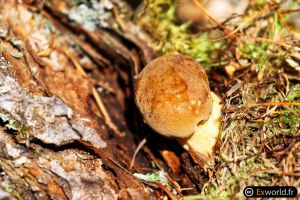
[[64, 87]]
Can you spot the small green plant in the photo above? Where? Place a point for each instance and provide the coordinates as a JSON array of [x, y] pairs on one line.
[[170, 37], [256, 53]]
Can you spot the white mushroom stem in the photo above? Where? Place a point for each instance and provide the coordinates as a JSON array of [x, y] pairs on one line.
[[200, 145]]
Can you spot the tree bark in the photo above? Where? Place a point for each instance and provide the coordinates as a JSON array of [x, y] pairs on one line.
[[57, 141]]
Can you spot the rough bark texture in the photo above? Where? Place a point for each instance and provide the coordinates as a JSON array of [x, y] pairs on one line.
[[55, 142]]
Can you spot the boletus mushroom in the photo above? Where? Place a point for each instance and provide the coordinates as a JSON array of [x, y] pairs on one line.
[[173, 95]]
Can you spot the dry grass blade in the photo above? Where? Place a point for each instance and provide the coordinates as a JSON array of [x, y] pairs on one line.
[[201, 7], [138, 148], [95, 93]]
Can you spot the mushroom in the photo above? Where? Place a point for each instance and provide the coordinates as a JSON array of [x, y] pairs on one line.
[[173, 95]]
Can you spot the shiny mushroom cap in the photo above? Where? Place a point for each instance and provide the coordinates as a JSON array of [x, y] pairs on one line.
[[173, 95]]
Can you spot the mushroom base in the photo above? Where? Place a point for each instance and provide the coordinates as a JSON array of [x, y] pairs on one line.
[[200, 145]]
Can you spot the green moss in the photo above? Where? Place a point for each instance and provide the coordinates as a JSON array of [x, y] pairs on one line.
[[157, 177], [159, 20], [11, 189], [233, 176], [242, 161], [23, 132], [232, 183], [74, 2], [288, 122], [256, 53], [294, 93]]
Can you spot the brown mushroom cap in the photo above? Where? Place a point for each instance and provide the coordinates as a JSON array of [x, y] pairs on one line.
[[173, 95]]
